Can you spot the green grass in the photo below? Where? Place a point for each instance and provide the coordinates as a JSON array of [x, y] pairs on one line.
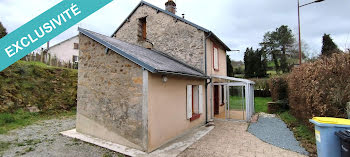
[[301, 131], [4, 146], [260, 103], [11, 121], [236, 102], [288, 118], [271, 72]]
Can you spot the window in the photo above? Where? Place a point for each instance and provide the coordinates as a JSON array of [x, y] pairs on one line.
[[75, 59], [194, 101], [76, 46], [216, 58], [142, 28]]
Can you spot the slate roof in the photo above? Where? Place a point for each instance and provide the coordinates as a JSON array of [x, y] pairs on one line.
[[177, 18], [153, 61]]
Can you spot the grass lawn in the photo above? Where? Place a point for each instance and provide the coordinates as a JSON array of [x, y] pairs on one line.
[[271, 73], [11, 121], [260, 103], [236, 102]]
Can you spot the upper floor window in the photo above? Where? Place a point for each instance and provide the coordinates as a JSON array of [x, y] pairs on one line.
[[142, 28], [216, 58], [76, 46]]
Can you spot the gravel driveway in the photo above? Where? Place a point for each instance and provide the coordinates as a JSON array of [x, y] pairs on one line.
[[230, 138], [274, 131], [43, 139]]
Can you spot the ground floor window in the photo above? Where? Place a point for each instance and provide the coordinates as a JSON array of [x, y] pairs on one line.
[[194, 101]]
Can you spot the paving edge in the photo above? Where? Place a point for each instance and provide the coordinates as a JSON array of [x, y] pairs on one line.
[[169, 150]]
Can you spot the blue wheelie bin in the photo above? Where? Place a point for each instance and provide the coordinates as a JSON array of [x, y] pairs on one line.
[[326, 140]]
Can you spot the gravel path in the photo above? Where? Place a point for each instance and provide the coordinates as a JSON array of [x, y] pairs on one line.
[[274, 131], [43, 139], [231, 139]]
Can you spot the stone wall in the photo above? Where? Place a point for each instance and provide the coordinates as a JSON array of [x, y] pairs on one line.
[[109, 96], [175, 38]]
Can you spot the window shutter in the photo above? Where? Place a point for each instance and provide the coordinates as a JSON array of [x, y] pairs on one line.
[[216, 60], [200, 97], [189, 101]]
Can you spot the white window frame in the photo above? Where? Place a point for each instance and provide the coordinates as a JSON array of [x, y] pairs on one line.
[[194, 92]]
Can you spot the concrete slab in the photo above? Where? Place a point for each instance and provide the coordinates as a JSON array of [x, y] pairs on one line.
[[171, 149], [103, 143]]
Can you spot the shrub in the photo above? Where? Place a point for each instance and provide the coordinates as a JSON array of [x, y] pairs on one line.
[[320, 88], [261, 87], [279, 88]]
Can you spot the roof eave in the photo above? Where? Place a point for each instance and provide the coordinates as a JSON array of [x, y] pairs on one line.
[[183, 74], [221, 42]]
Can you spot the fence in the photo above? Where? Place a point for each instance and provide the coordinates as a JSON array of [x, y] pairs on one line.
[[49, 59]]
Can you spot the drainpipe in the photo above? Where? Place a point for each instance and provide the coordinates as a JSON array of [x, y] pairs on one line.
[[206, 81]]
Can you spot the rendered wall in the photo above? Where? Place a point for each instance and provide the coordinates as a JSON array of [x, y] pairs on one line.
[[177, 39], [167, 108], [222, 60], [64, 51], [110, 96]]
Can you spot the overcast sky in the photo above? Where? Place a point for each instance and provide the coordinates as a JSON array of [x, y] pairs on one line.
[[239, 23]]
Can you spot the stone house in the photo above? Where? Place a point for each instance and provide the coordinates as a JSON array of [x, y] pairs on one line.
[[151, 81], [66, 51]]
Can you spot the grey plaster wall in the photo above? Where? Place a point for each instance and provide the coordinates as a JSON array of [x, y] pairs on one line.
[[109, 96], [175, 38]]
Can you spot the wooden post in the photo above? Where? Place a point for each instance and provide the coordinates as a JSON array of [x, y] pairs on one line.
[[50, 59], [42, 56]]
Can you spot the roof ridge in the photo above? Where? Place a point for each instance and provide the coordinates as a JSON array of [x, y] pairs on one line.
[[142, 2]]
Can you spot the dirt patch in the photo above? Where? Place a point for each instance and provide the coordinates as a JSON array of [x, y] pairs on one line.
[[43, 139]]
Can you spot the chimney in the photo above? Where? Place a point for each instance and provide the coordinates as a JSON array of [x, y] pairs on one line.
[[170, 6]]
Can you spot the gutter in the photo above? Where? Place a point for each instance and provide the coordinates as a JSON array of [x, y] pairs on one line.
[[206, 74], [182, 74]]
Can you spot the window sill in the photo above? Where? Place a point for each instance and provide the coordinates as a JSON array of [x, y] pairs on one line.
[[194, 117]]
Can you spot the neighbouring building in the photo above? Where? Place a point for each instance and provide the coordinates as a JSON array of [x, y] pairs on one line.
[[66, 51], [157, 77]]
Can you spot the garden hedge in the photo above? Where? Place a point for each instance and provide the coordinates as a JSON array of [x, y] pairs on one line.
[[320, 88], [279, 88]]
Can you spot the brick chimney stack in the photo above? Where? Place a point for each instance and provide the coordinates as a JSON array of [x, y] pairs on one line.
[[170, 6]]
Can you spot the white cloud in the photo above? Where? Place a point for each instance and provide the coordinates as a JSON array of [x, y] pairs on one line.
[[238, 23]]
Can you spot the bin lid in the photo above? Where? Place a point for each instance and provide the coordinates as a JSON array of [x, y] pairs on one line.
[[331, 120]]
